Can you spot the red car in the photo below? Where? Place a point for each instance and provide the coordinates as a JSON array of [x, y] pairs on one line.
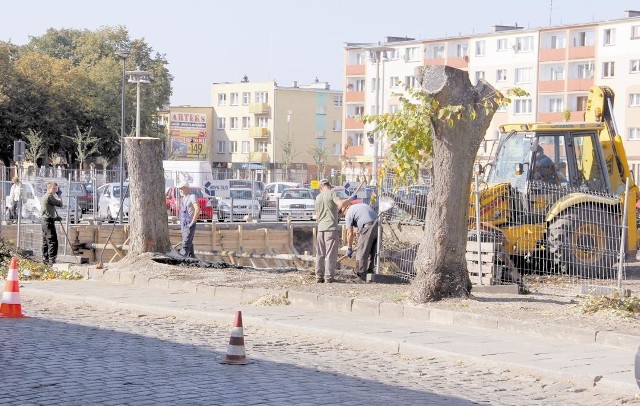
[[207, 203]]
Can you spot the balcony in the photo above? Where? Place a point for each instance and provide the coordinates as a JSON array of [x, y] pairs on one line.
[[355, 70], [354, 97], [354, 150], [579, 84], [259, 108], [460, 62], [551, 117], [551, 86], [353, 124], [582, 52], [258, 132], [434, 61], [554, 54], [259, 157]]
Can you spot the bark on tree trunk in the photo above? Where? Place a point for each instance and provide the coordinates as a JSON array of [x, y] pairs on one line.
[[441, 269], [149, 229]]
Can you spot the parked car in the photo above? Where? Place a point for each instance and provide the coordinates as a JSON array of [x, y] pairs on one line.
[[207, 203], [239, 204], [257, 186], [33, 193], [343, 194], [82, 195], [296, 204], [109, 201], [275, 189]]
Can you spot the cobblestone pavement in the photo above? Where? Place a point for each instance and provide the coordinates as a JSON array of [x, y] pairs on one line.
[[78, 355]]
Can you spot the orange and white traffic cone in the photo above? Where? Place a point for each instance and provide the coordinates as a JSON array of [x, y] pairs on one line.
[[235, 350], [10, 304]]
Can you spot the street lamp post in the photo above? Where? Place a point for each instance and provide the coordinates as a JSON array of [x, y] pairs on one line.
[[138, 76], [123, 54], [377, 54]]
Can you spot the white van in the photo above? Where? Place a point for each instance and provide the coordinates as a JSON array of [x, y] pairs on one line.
[[197, 173]]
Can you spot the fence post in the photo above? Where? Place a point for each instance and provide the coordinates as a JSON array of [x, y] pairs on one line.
[[477, 193], [623, 237]]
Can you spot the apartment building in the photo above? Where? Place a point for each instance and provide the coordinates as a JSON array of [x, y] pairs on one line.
[[555, 65], [277, 132]]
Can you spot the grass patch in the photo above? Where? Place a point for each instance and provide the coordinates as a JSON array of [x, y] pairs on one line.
[[625, 305]]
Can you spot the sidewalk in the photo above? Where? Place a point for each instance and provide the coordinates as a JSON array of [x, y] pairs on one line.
[[573, 355]]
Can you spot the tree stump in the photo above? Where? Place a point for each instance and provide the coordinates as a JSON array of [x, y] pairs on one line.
[[149, 228], [441, 268]]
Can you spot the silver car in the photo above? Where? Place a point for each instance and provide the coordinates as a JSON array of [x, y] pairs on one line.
[[109, 201], [240, 204]]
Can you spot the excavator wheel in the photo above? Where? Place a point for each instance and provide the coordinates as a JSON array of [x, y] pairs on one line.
[[581, 247]]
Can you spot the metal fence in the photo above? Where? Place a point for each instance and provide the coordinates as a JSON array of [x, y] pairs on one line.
[[573, 234]]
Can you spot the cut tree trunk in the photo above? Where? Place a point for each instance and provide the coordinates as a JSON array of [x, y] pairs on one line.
[[441, 268], [149, 229]]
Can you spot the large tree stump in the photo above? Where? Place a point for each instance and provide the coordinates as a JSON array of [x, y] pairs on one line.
[[149, 228], [440, 262]]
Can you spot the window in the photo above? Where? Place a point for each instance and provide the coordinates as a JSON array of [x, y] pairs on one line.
[[374, 83], [580, 40], [222, 99], [393, 54], [501, 75], [233, 147], [335, 149], [634, 133], [522, 106], [634, 66], [556, 42], [359, 110], [479, 75], [411, 54], [246, 97], [581, 103], [410, 81], [262, 97], [222, 147], [321, 134], [321, 110], [222, 123], [337, 100], [357, 139], [360, 59], [394, 81], [373, 110], [462, 50], [246, 147], [524, 44], [557, 73], [337, 125], [556, 105], [393, 108], [523, 75], [609, 36], [262, 122], [438, 52], [634, 100], [635, 32], [233, 99], [360, 85], [501, 44], [233, 123], [608, 69], [246, 122], [262, 146], [585, 70], [480, 48], [502, 108]]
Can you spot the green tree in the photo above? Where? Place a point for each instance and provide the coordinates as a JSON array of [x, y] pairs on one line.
[[319, 154], [35, 146], [446, 120], [85, 143]]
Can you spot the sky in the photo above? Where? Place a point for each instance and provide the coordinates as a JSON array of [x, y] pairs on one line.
[[216, 41]]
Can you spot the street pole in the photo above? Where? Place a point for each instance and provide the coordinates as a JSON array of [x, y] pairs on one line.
[[138, 76], [122, 55]]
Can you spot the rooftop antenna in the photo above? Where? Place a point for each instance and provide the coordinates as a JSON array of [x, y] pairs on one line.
[[550, 10]]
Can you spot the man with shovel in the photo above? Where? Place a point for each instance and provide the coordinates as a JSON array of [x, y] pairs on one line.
[[364, 219]]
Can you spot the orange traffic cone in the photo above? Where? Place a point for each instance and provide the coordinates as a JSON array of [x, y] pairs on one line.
[[10, 304], [235, 350]]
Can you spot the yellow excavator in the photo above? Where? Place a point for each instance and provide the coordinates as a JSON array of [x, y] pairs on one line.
[[554, 195]]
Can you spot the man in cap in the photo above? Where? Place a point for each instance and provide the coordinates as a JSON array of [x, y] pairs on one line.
[[364, 219], [189, 212], [328, 239]]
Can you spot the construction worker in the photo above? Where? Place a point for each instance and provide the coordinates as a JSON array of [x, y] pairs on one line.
[[49, 216], [189, 212], [364, 219], [327, 239]]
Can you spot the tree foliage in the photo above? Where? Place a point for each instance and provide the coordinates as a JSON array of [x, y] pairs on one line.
[[68, 80], [35, 146]]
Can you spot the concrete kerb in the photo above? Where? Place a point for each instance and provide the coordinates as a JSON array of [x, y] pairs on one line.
[[370, 307]]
